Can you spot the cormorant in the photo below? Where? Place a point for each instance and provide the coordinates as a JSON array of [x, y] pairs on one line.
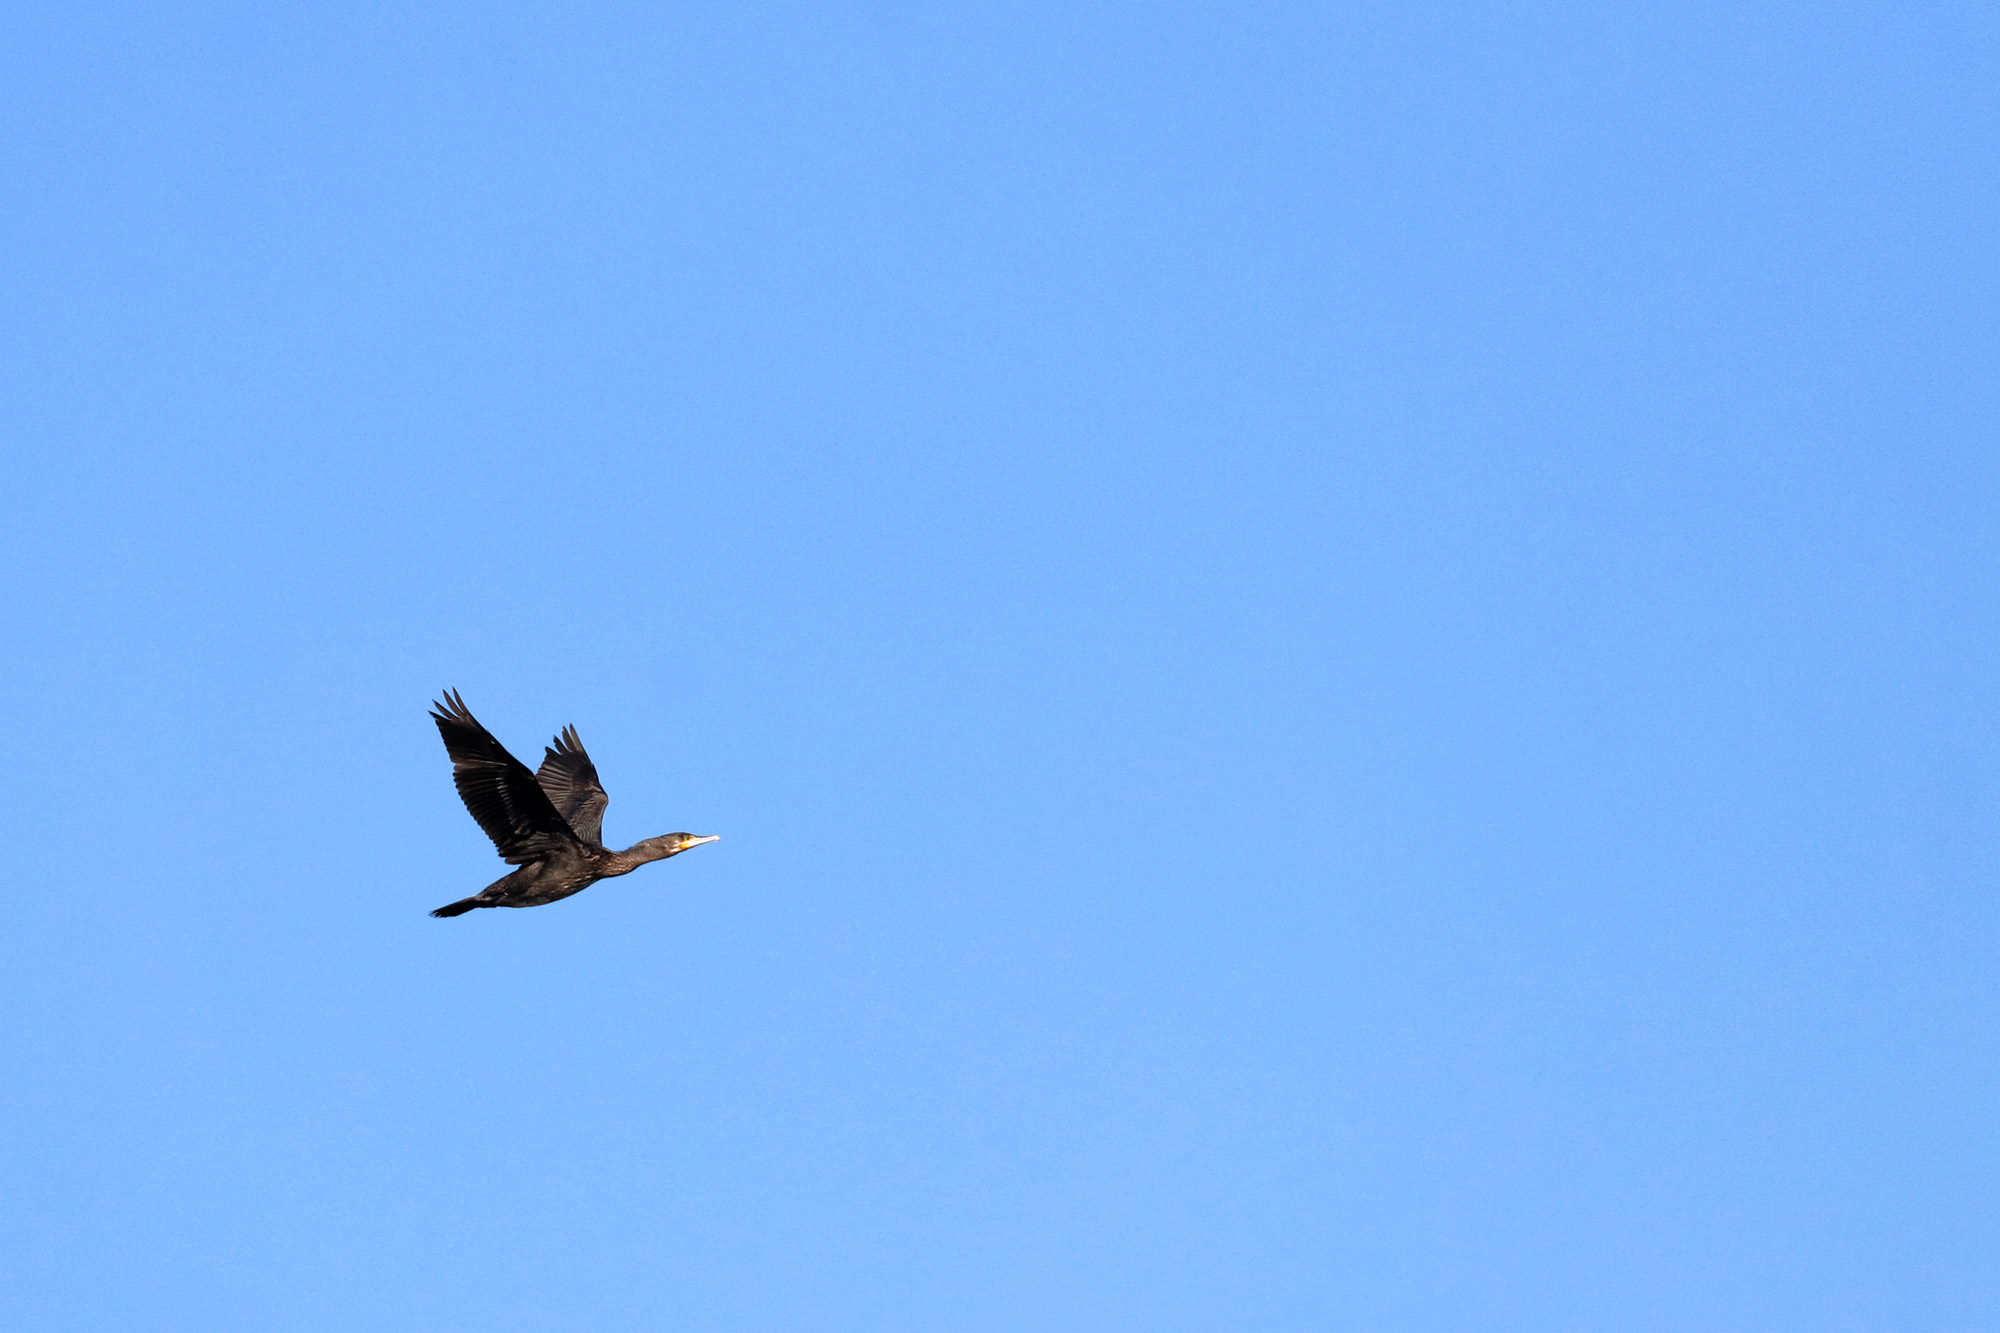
[[548, 823]]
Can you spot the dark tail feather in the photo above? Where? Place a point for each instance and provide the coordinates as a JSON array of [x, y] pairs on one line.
[[460, 907]]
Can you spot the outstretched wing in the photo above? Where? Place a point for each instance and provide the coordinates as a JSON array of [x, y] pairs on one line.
[[498, 788], [570, 780]]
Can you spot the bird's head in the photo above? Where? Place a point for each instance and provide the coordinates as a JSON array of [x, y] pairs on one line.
[[673, 844]]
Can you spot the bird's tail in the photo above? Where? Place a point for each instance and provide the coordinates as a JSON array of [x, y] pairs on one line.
[[462, 906]]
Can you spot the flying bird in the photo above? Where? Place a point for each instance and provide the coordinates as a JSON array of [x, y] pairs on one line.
[[548, 823]]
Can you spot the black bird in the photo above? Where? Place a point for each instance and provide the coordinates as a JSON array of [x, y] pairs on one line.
[[548, 823]]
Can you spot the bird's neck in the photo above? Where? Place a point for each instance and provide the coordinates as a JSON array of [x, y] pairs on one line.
[[639, 853]]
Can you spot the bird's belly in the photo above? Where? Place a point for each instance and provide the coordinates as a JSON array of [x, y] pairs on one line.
[[547, 889]]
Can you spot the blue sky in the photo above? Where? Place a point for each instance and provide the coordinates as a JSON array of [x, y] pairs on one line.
[[1345, 654]]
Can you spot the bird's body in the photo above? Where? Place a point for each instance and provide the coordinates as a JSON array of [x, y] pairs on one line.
[[548, 823], [546, 881]]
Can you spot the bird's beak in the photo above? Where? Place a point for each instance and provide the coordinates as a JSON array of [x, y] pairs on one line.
[[712, 837]]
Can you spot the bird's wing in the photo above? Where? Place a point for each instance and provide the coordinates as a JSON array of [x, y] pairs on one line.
[[570, 780], [498, 788]]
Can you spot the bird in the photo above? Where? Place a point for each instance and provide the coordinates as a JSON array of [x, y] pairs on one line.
[[548, 823]]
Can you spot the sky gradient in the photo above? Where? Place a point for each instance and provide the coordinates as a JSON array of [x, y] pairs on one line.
[[1345, 656]]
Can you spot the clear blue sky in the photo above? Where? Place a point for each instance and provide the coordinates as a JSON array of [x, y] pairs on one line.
[[1346, 654]]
